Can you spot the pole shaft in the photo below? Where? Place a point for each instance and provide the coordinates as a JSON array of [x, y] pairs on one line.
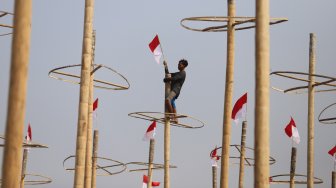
[[84, 96], [214, 176], [166, 141], [89, 142], [242, 155], [310, 137], [261, 131], [94, 159], [292, 168], [24, 166], [16, 107], [333, 179], [150, 162], [224, 177]]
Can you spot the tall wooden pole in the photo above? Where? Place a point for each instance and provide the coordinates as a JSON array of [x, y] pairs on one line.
[[292, 168], [166, 141], [242, 155], [24, 167], [84, 96], [224, 177], [88, 160], [16, 107], [94, 159], [150, 162], [214, 176], [333, 179], [261, 120], [311, 90]]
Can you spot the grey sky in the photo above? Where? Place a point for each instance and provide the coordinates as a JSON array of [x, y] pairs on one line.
[[124, 29]]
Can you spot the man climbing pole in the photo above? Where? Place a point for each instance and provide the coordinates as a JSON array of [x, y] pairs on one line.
[[176, 82]]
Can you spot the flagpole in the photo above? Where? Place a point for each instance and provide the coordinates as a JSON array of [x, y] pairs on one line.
[[242, 155], [24, 166], [214, 176], [166, 138], [16, 107], [94, 159], [150, 162], [161, 49], [310, 136], [333, 181], [292, 167]]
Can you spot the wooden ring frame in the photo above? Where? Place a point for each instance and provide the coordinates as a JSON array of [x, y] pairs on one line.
[[161, 118], [238, 21], [45, 180], [156, 166], [293, 90], [316, 180], [26, 145], [103, 168], [330, 120], [3, 14], [110, 86], [247, 159]]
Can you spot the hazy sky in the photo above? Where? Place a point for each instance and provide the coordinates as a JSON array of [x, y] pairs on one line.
[[124, 29]]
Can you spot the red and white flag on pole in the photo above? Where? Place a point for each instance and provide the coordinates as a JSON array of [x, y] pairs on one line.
[[292, 131], [150, 133], [239, 109], [332, 152], [94, 108], [214, 157], [145, 182], [155, 47], [29, 134]]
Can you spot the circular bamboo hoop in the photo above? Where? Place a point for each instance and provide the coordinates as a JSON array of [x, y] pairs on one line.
[[329, 120], [156, 166], [271, 179], [238, 21], [109, 85], [298, 90], [3, 14], [249, 161], [160, 118], [103, 168], [26, 145], [44, 180]]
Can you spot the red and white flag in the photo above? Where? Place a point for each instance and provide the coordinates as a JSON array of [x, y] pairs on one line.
[[292, 131], [29, 134], [155, 47], [214, 157], [95, 105], [150, 133], [239, 109], [145, 182], [332, 152]]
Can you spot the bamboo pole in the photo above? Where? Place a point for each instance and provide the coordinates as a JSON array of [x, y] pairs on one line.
[[88, 160], [24, 167], [292, 168], [94, 159], [150, 162], [16, 107], [166, 140], [224, 177], [333, 179], [242, 155], [311, 90], [261, 131], [84, 96], [214, 176]]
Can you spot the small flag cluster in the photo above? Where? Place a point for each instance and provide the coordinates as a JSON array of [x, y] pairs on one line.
[[145, 182]]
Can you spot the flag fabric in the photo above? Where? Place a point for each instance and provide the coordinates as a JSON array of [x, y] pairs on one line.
[[145, 182], [332, 151], [155, 48], [150, 133], [95, 104], [214, 157], [29, 134], [239, 109], [292, 131]]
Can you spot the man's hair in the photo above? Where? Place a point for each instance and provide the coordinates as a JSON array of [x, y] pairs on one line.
[[184, 62]]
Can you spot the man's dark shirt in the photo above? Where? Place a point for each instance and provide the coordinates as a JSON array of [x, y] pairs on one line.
[[177, 80]]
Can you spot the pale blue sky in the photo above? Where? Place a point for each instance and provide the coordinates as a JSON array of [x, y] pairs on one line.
[[124, 29]]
